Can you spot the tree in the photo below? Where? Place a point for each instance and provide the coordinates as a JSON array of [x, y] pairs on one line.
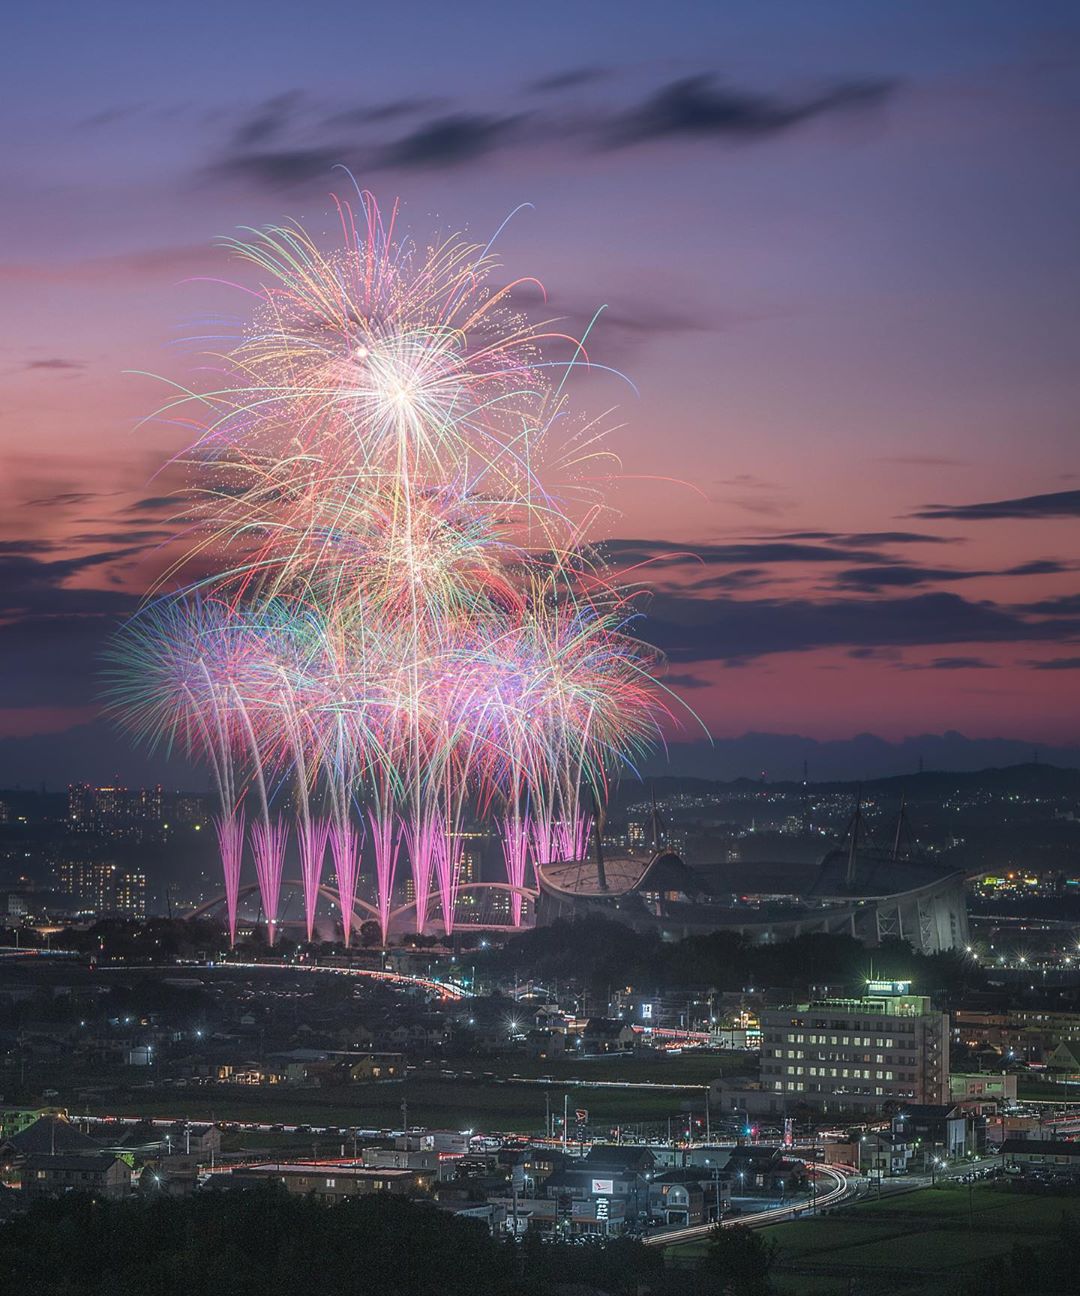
[[739, 1260]]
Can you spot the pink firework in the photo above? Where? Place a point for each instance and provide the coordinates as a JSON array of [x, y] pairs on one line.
[[571, 837], [448, 872], [386, 843], [230, 837], [515, 844], [268, 839], [420, 837], [311, 836], [345, 849]]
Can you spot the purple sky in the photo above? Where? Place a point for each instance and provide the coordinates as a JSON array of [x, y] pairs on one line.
[[837, 243]]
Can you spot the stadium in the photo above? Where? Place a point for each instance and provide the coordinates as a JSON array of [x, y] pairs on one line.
[[873, 895]]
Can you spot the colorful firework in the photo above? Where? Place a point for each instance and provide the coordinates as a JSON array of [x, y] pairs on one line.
[[386, 612]]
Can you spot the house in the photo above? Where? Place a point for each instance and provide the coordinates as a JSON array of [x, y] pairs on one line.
[[879, 1153], [609, 1172], [543, 1043], [1064, 1061], [1056, 1158], [47, 1136], [688, 1196], [935, 1129], [994, 1087], [606, 1035], [334, 1182], [752, 1170], [599, 1216], [97, 1172]]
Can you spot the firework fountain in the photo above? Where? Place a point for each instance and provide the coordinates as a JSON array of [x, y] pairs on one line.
[[402, 624]]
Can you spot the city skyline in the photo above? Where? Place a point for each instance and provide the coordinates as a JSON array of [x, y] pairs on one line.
[[844, 308]]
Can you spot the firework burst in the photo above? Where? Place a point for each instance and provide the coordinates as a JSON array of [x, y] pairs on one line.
[[384, 620]]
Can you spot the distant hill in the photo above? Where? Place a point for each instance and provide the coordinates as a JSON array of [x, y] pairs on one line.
[[930, 785], [864, 756]]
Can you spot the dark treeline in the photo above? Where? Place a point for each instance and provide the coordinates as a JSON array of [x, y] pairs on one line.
[[600, 953], [267, 1243]]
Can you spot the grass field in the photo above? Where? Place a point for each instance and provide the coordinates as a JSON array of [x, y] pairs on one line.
[[911, 1244], [432, 1101], [916, 1242], [692, 1068]]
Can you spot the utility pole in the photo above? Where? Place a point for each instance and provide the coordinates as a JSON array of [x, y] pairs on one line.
[[565, 1118], [404, 1116], [547, 1114]]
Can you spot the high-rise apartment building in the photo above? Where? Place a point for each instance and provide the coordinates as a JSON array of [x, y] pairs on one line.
[[855, 1055], [115, 811], [103, 887]]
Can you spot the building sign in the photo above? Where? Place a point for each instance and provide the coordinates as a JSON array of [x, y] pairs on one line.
[[888, 987], [603, 1187], [601, 1208], [646, 1010]]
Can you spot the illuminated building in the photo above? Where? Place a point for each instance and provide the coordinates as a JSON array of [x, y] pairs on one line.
[[103, 887], [115, 811], [854, 1055]]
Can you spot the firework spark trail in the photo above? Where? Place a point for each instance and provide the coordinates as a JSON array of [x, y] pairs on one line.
[[345, 845], [230, 837], [387, 597], [515, 845], [386, 843], [420, 841], [311, 836], [572, 837], [448, 872], [268, 841]]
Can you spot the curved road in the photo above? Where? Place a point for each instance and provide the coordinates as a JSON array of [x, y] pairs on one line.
[[839, 1191]]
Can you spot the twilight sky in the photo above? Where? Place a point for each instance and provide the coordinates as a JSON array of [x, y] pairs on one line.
[[838, 247]]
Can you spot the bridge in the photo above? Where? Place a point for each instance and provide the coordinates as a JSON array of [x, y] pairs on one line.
[[363, 911]]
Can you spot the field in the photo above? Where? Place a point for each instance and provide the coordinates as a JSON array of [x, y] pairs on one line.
[[477, 1093], [690, 1068], [472, 1099], [918, 1242]]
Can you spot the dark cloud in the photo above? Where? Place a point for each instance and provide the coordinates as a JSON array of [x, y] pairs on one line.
[[1040, 567], [56, 362], [373, 114], [953, 663], [873, 654], [154, 504], [62, 499], [900, 575], [30, 586], [274, 146], [448, 141], [279, 168], [12, 547], [268, 121], [691, 630], [696, 107], [1054, 664], [739, 578], [131, 536], [861, 538], [1065, 605], [684, 680], [666, 554], [1060, 504], [570, 79]]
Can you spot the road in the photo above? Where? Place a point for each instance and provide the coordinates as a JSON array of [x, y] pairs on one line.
[[841, 1189], [444, 989]]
